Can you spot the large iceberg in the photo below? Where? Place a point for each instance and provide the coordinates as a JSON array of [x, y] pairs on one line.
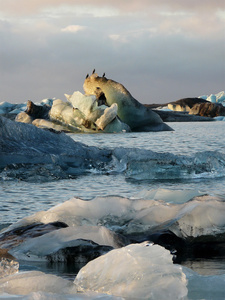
[[81, 113]]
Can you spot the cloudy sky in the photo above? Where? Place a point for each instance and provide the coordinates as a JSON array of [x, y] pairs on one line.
[[160, 50]]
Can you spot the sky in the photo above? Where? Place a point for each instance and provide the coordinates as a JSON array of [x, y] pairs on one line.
[[161, 51]]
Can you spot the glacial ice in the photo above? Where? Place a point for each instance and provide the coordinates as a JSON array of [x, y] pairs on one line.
[[170, 196], [8, 267], [201, 216], [59, 296], [24, 283], [26, 144], [137, 271], [109, 115], [47, 245], [64, 112], [215, 98], [87, 104], [145, 164], [45, 124]]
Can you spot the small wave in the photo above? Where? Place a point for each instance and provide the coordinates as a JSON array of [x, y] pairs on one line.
[[143, 164], [133, 163]]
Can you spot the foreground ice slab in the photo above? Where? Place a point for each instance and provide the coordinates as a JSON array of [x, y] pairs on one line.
[[70, 245], [193, 227], [26, 282], [28, 146], [138, 271]]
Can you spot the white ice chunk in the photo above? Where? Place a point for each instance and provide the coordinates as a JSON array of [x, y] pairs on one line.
[[8, 267], [24, 118], [67, 237], [47, 101], [109, 115], [64, 112], [41, 123], [220, 97], [203, 215], [203, 97], [138, 271], [211, 98], [117, 126], [171, 196], [84, 103], [215, 98], [26, 282], [87, 104], [219, 118]]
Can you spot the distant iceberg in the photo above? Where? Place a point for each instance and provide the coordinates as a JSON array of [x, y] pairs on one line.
[[215, 98]]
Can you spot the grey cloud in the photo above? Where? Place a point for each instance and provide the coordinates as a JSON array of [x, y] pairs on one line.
[[155, 64], [25, 7]]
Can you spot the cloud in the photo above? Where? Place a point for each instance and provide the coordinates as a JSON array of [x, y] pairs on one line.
[[73, 28], [160, 50], [24, 7]]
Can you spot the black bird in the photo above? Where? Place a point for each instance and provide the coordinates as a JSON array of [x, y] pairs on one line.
[[93, 71], [103, 75], [87, 76]]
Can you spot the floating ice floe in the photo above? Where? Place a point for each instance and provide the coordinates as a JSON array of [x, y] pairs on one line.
[[80, 113], [139, 271], [24, 283], [114, 221], [145, 272], [93, 112], [77, 244]]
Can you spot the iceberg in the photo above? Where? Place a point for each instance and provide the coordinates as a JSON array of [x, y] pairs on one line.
[[215, 98], [91, 112]]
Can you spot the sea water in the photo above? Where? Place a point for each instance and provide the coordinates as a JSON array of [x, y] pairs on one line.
[[20, 198]]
